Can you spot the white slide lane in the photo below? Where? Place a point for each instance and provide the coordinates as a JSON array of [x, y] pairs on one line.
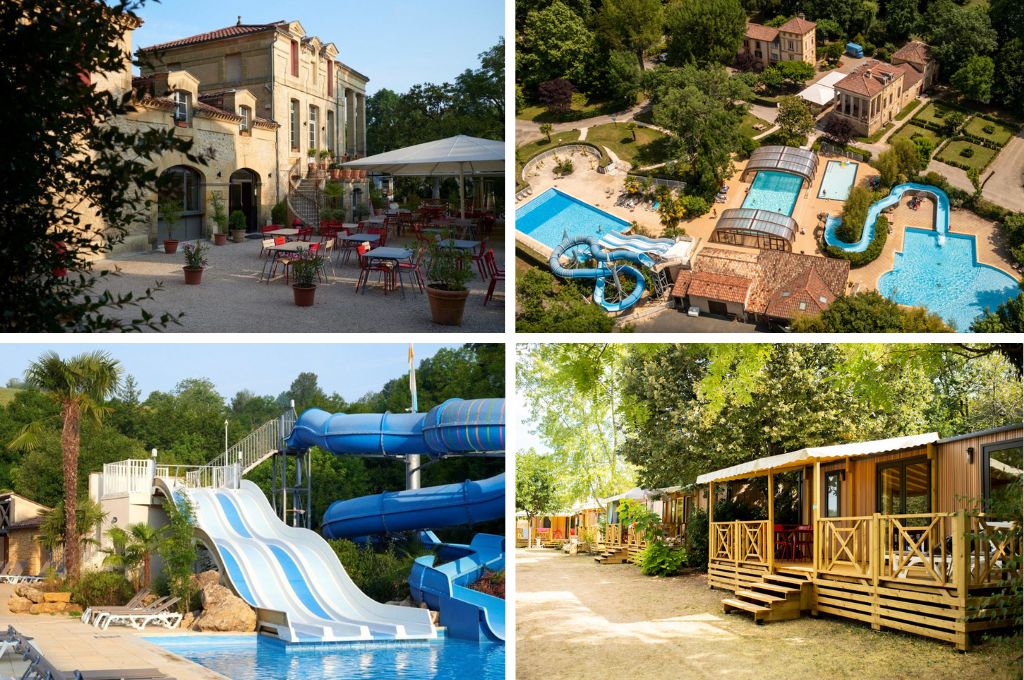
[[295, 571]]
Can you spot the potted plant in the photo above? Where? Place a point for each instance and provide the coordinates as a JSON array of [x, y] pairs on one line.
[[335, 172], [170, 211], [220, 219], [450, 269], [325, 159], [237, 222], [304, 273], [311, 169], [195, 262]]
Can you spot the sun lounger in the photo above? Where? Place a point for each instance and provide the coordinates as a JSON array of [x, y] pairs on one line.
[[140, 618], [100, 612], [134, 603], [13, 573]]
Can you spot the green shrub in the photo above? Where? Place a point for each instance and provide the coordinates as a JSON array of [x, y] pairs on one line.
[[869, 254], [855, 214], [658, 559], [102, 587], [697, 539], [547, 305], [967, 152], [279, 213], [989, 129], [383, 575]]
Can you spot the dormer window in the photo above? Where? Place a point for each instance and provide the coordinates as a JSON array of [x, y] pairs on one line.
[[182, 106], [246, 113]]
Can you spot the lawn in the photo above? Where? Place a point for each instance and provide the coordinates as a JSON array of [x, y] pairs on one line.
[[1000, 135], [928, 113], [648, 149], [982, 155], [7, 395], [579, 110], [909, 130], [875, 137], [907, 109], [749, 121]]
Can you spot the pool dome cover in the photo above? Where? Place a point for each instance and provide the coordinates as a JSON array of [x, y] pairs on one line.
[[756, 222], [784, 159]]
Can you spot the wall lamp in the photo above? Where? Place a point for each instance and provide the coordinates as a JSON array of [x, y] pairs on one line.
[[970, 455]]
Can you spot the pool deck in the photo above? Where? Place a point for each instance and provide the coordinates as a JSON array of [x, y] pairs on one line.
[[588, 185], [71, 645]]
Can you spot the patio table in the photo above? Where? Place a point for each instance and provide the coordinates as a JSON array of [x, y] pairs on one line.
[[289, 247], [390, 254], [283, 232], [461, 244], [360, 237]]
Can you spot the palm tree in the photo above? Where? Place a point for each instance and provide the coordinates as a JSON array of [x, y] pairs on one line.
[[131, 548], [88, 516], [545, 129], [148, 540], [79, 386]]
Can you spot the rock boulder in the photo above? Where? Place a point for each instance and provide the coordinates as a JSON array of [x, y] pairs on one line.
[[29, 593], [18, 604], [207, 578], [223, 611]]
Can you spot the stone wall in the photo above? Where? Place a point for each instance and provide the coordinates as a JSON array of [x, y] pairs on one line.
[[22, 547]]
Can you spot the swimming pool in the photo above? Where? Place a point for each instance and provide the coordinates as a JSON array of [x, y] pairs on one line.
[[553, 214], [774, 191], [946, 279], [248, 657], [876, 208], [837, 181]]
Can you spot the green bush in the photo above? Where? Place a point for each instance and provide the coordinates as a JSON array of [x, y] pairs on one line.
[[279, 213], [855, 214], [697, 539], [869, 254], [657, 559], [967, 152], [383, 575], [102, 587], [547, 305]]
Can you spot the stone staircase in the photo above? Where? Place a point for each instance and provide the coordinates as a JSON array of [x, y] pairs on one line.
[[303, 200], [613, 555], [775, 597]]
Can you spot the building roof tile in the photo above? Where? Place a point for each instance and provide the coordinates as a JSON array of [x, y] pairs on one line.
[[914, 52], [219, 34], [798, 25], [869, 78], [786, 279], [760, 32]]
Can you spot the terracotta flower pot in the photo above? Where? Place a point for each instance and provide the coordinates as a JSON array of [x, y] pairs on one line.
[[238, 235], [171, 246], [346, 173], [335, 173], [193, 275], [304, 296], [446, 306], [220, 239]]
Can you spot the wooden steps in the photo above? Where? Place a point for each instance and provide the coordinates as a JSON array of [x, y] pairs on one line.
[[612, 556], [772, 598]]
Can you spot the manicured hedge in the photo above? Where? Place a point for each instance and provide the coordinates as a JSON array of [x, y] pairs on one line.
[[871, 253]]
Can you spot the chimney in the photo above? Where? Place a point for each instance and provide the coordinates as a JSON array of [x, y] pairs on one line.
[[801, 15], [239, 20]]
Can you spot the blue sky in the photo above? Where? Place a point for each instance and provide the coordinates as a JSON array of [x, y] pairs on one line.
[[396, 43], [265, 369]]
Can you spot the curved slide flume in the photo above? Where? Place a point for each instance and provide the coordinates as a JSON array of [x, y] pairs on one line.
[[606, 267], [868, 232], [294, 571]]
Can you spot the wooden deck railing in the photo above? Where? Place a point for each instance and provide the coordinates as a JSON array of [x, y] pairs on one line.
[[843, 545], [736, 541], [612, 534]]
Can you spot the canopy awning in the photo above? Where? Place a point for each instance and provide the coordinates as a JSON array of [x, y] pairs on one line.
[[634, 494], [755, 468], [454, 156]]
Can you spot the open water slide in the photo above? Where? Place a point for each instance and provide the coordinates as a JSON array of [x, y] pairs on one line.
[[608, 266]]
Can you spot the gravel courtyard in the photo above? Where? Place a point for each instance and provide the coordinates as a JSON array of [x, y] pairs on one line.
[[231, 299], [578, 619]]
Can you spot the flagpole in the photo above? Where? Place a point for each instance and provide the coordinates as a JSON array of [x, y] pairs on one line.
[[412, 461]]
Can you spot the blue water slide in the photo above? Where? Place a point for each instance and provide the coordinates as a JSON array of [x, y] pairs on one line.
[[457, 427], [430, 508], [868, 232], [586, 247], [441, 582]]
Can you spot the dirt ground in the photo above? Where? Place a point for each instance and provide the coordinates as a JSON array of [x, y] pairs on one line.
[[578, 619]]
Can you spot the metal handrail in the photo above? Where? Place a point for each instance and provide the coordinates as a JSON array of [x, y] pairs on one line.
[[249, 452]]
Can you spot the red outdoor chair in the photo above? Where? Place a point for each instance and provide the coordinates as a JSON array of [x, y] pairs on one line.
[[783, 543], [305, 233], [384, 270], [478, 257], [495, 273], [382, 232], [415, 267]]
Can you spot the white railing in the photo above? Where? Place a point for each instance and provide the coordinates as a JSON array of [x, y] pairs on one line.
[[126, 476], [249, 452]]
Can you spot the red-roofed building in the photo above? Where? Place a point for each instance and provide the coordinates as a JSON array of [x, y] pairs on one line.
[[792, 41]]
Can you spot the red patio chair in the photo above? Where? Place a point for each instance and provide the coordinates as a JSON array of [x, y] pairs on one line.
[[478, 257], [415, 267], [783, 543], [366, 267], [382, 232], [305, 233], [496, 274]]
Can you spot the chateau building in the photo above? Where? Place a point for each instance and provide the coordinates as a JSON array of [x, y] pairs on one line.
[[792, 41]]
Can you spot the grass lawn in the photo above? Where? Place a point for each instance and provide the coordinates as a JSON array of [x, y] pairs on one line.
[[982, 155], [976, 126], [909, 130], [875, 137], [927, 114], [7, 395], [579, 110], [749, 121], [648, 149], [907, 109]]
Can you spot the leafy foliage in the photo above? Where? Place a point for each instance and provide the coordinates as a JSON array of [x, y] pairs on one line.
[[546, 305], [178, 551], [1008, 317], [706, 32], [631, 25], [975, 78], [102, 588], [381, 574], [794, 117], [658, 559], [870, 312], [554, 42], [536, 493]]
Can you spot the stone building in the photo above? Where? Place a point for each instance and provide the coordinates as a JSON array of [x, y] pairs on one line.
[[792, 41], [919, 69], [20, 519], [870, 96]]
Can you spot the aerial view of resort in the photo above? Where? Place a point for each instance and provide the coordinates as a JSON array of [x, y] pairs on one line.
[[201, 523], [768, 511], [769, 165]]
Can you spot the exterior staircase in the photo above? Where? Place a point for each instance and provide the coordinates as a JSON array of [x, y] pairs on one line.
[[775, 597], [250, 451], [304, 200], [613, 555]]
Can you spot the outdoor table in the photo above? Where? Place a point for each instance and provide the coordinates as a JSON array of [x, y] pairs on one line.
[[352, 240], [287, 233], [461, 244], [289, 247], [394, 255], [376, 219]]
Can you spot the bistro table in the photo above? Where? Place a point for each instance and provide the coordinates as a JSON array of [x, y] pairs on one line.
[[461, 244], [289, 232], [352, 240], [289, 247], [391, 254]]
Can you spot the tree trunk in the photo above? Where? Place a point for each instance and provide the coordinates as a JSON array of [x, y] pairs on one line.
[[69, 443], [145, 569], [640, 58]]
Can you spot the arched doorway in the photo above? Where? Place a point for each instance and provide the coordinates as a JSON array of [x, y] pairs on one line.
[[244, 195], [181, 186]]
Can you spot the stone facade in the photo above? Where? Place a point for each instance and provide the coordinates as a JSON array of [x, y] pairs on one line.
[[19, 525], [870, 96], [793, 41]]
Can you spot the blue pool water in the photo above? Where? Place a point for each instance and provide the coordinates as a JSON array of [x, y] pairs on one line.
[[252, 657], [941, 216], [554, 213], [947, 279], [774, 191], [838, 180]]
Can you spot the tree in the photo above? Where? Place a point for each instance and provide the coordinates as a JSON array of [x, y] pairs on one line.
[[53, 526], [178, 550], [131, 548], [827, 29], [536, 489], [794, 118], [554, 43], [631, 126], [1008, 317], [947, 25], [975, 78], [556, 94], [624, 78], [791, 73], [74, 181], [1010, 74], [832, 52], [838, 131], [545, 305], [869, 312], [633, 25], [924, 146], [953, 122], [706, 32], [79, 386], [545, 129], [902, 18]]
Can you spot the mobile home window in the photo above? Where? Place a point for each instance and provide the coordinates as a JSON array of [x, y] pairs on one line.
[[904, 487], [1002, 463], [833, 489]]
